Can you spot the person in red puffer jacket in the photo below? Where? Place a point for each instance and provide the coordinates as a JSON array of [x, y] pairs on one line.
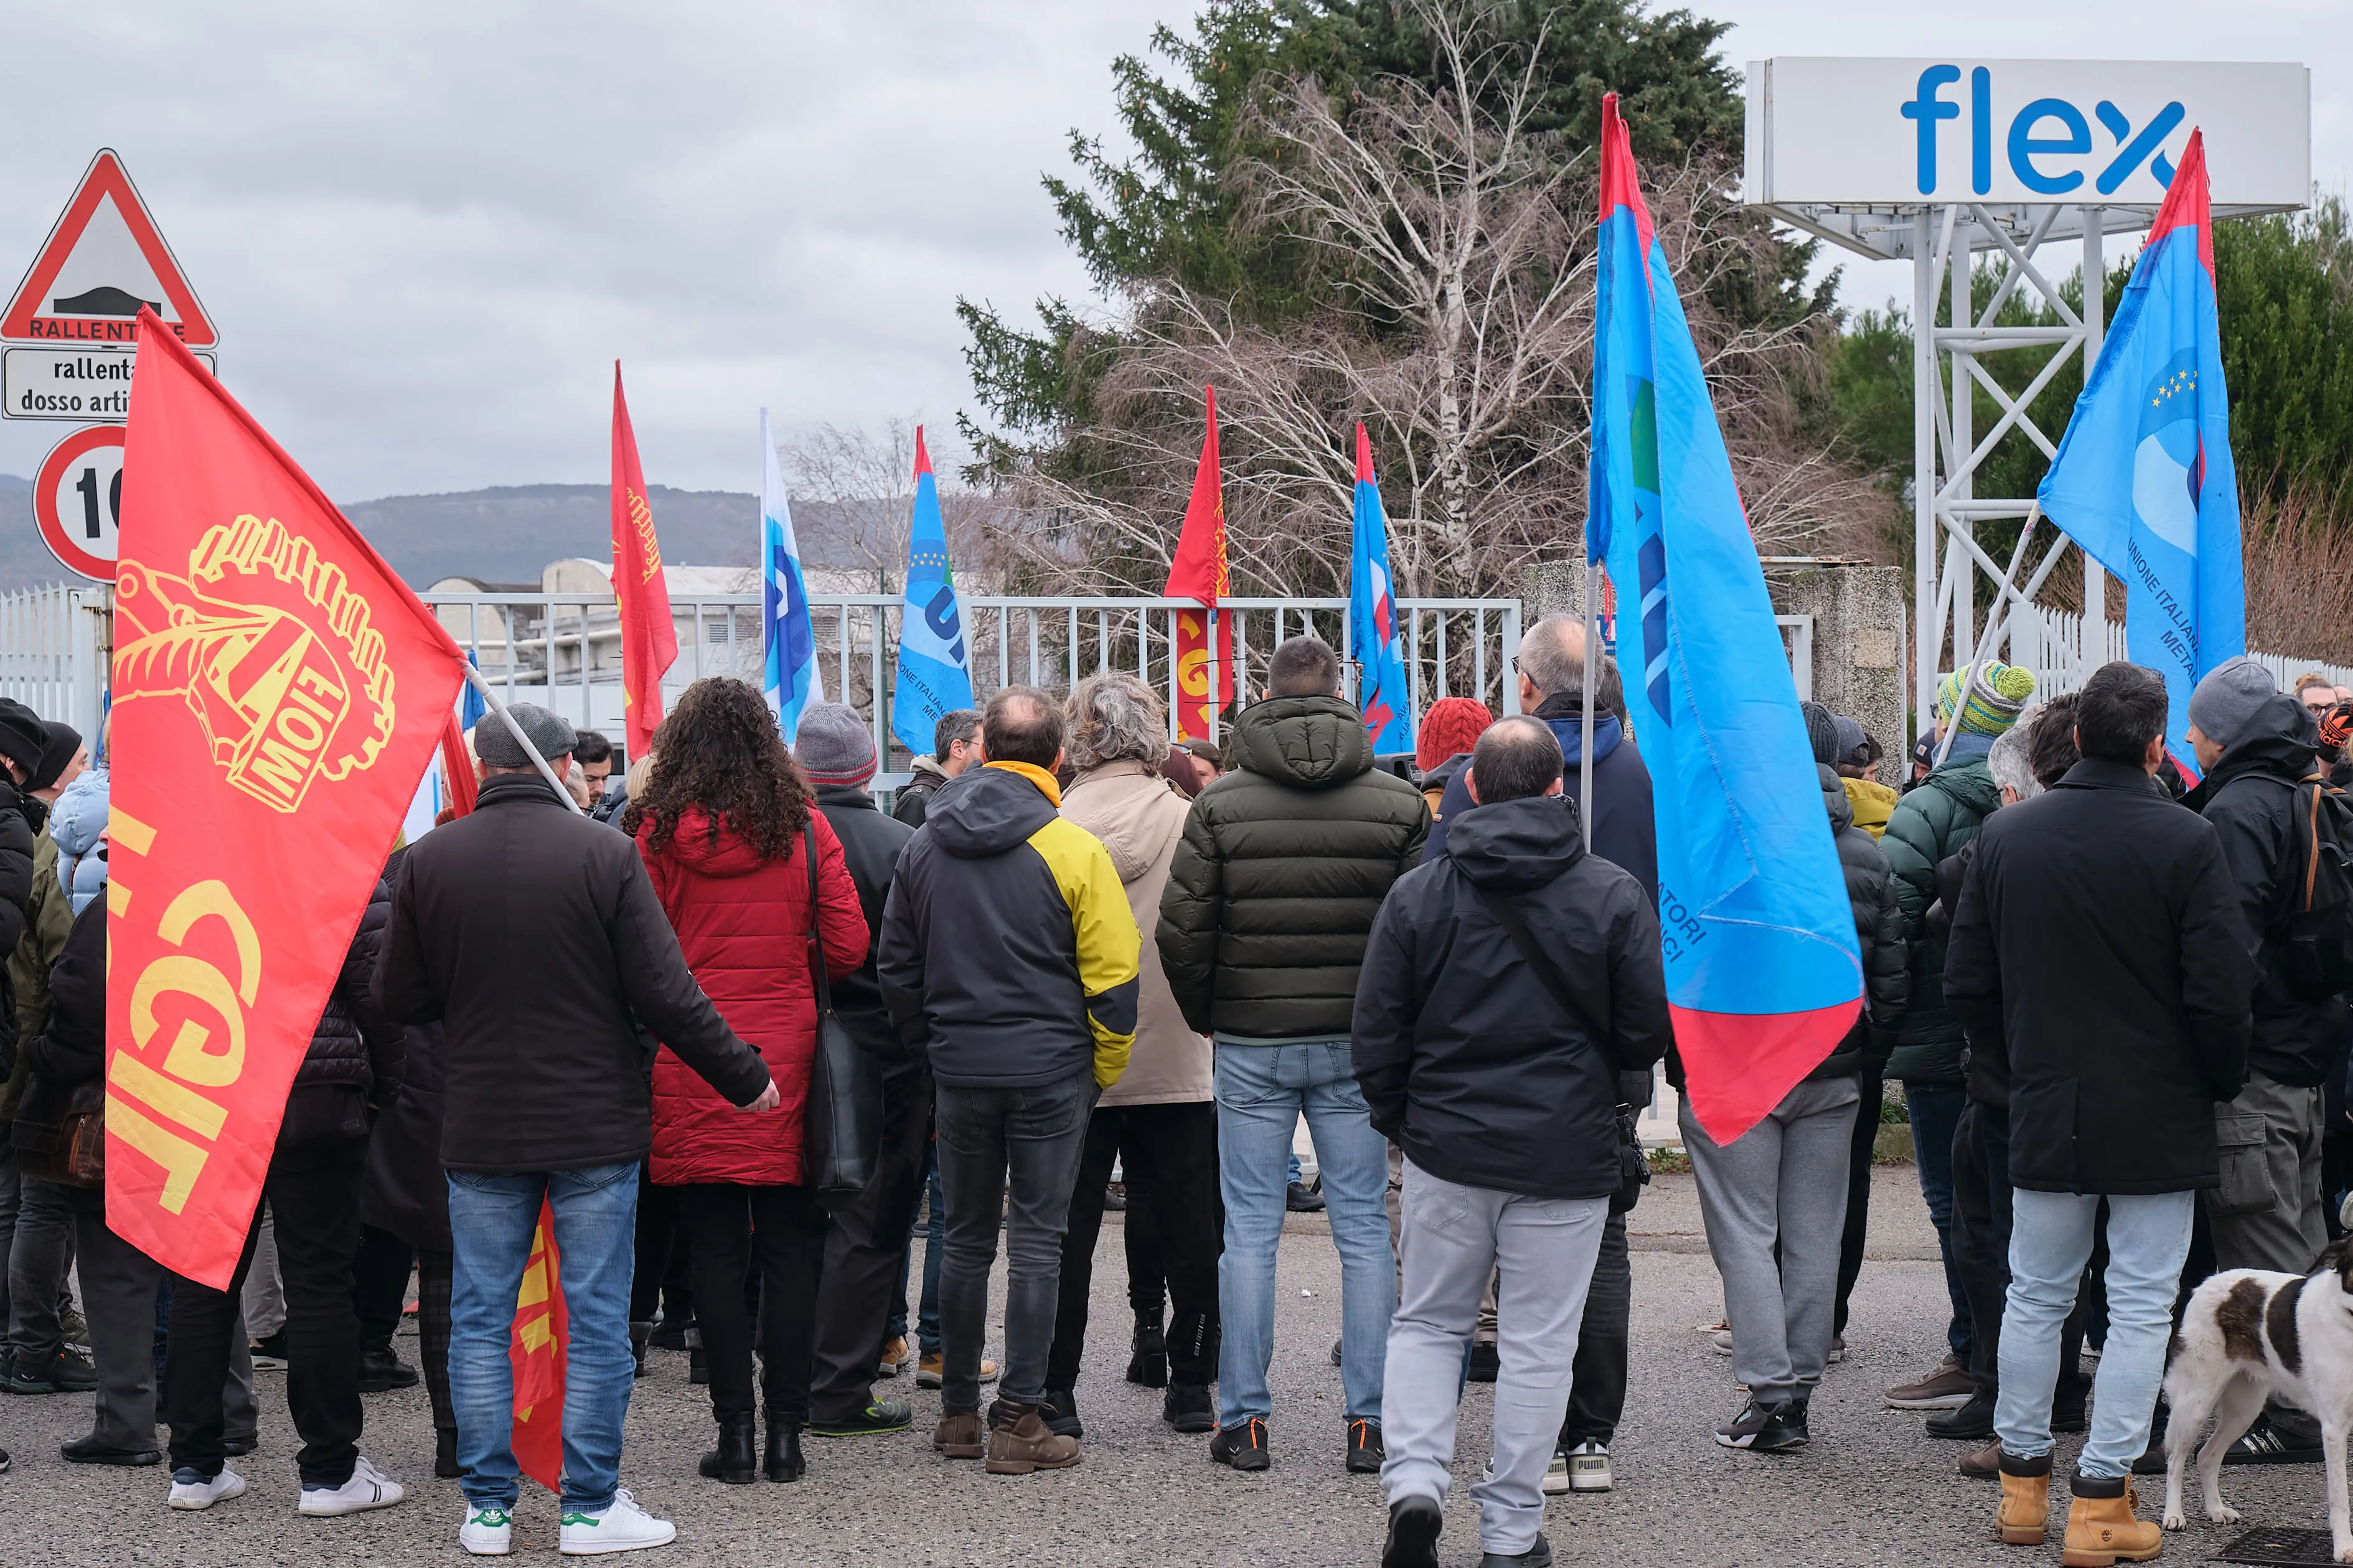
[[726, 826]]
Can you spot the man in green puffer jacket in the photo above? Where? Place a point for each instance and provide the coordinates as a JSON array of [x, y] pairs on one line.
[[1270, 899], [1934, 820]]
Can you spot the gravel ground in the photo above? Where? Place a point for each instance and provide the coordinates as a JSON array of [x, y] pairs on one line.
[[1871, 1490]]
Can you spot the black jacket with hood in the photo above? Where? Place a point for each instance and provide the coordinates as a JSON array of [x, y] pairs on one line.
[[1625, 828], [1879, 930], [1008, 953], [2099, 936], [1467, 1061], [871, 843], [1283, 865], [533, 936], [2250, 796]]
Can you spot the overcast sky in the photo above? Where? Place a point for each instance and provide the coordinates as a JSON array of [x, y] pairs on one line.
[[425, 230]]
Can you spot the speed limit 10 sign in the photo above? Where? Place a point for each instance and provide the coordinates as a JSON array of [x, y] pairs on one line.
[[78, 500]]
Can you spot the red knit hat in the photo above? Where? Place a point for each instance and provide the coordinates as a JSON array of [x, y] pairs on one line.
[[1451, 727]]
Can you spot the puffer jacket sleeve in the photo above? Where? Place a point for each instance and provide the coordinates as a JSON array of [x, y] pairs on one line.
[[661, 990], [16, 869], [1110, 952], [840, 921], [403, 989], [354, 984], [1910, 844], [1886, 969], [1192, 906]]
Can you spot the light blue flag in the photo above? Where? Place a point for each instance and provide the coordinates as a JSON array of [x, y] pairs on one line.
[[2142, 479], [934, 664], [1381, 694], [788, 671]]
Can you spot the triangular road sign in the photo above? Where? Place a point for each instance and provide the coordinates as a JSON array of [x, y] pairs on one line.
[[102, 261]]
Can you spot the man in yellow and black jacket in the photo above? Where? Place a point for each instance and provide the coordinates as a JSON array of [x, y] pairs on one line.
[[1008, 957]]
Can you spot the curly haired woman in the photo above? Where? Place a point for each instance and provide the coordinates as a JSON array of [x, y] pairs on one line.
[[725, 825]]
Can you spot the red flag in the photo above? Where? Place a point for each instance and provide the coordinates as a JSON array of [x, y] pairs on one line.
[[649, 636], [1198, 572], [277, 694], [456, 765], [535, 1353]]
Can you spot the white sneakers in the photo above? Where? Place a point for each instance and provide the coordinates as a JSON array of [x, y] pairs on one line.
[[1584, 1468], [192, 1492], [368, 1488], [487, 1533], [622, 1527]]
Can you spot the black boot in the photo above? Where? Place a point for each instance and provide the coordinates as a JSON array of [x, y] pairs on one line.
[[640, 1337], [381, 1371], [736, 1460], [698, 1365], [1972, 1422], [1149, 1364], [445, 1453], [784, 1461]]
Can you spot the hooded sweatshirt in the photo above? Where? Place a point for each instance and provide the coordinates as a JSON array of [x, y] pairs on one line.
[[1139, 815], [1466, 1058], [2250, 797], [1008, 953], [1624, 830]]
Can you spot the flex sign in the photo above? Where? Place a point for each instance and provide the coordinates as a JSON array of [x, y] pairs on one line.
[[1887, 132]]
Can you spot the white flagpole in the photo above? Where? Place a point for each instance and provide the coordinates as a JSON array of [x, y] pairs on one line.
[[498, 708]]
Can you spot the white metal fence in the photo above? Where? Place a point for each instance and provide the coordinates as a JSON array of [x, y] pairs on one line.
[[55, 642], [2054, 644], [564, 650]]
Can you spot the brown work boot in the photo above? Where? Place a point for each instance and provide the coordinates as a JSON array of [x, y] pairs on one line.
[[2024, 1516], [960, 1435], [2102, 1529], [1019, 1442], [1983, 1464]]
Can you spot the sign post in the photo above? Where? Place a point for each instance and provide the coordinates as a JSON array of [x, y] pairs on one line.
[[67, 336]]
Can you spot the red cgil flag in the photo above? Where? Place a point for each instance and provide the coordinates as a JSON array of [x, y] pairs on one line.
[[649, 636], [278, 692], [535, 1355], [1198, 572]]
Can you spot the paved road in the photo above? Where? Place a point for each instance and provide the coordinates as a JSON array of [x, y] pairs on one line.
[[1871, 1490]]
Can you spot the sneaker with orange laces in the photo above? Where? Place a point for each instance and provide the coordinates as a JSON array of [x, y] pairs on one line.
[[1364, 1449], [1242, 1446]]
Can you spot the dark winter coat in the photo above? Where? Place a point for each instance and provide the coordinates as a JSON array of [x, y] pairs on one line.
[[1985, 1060], [1281, 872], [2250, 797], [1467, 1061], [744, 924], [533, 934], [1008, 951], [1930, 823], [2099, 935], [353, 1046], [870, 845], [72, 1048], [404, 1190], [1879, 930], [48, 916], [909, 804], [20, 816], [1625, 829]]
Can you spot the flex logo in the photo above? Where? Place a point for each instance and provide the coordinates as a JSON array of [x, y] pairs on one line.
[[2044, 130]]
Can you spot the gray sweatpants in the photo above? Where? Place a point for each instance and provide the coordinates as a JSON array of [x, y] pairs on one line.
[[2290, 1234], [118, 1285], [1453, 1237], [1783, 1179]]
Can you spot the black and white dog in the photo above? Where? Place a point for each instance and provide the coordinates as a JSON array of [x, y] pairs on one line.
[[2250, 1333]]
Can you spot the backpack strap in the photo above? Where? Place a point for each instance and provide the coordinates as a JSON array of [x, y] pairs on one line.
[[1507, 911]]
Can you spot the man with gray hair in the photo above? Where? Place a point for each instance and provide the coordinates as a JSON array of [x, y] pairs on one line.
[[534, 938]]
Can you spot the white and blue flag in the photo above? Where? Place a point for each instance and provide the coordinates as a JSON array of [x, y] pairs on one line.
[[788, 671]]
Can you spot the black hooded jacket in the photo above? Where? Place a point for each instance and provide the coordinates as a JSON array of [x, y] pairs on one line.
[[1284, 864], [2249, 797], [870, 845], [1879, 931], [1467, 1061], [2099, 937]]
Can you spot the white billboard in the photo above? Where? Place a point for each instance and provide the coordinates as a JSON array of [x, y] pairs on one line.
[[1904, 132]]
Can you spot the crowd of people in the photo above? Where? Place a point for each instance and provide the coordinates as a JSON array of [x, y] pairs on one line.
[[1089, 968]]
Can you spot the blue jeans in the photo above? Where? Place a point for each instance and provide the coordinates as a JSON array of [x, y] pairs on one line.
[[1262, 1090], [2049, 1242], [935, 1248], [1935, 1111], [491, 1218]]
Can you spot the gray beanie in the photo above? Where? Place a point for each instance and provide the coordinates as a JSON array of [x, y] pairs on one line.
[[498, 748], [1822, 733], [2229, 697], [834, 746], [1851, 737]]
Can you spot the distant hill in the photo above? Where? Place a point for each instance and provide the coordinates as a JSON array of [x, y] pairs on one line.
[[506, 534]]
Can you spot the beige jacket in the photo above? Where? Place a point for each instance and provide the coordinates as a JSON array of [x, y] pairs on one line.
[[1139, 817]]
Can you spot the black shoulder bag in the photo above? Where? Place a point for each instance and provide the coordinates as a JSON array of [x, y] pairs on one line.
[[843, 1140], [1633, 1166]]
